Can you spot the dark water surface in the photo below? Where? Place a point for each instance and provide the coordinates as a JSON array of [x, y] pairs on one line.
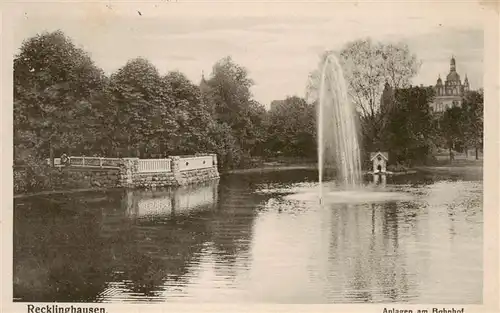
[[240, 240]]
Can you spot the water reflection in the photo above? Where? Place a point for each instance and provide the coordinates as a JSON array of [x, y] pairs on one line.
[[368, 261], [380, 180], [227, 242], [164, 204]]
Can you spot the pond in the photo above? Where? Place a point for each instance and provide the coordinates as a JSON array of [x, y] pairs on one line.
[[241, 239]]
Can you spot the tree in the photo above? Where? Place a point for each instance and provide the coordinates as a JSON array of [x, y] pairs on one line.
[[229, 154], [234, 106], [452, 127], [144, 109], [410, 132], [399, 64], [195, 121], [255, 126], [53, 82], [473, 107], [292, 128], [368, 66]]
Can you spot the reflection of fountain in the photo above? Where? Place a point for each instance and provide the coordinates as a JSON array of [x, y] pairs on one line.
[[366, 263], [337, 133]]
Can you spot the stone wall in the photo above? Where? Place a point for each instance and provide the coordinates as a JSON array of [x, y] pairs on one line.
[[126, 175], [196, 162], [90, 178], [131, 177], [153, 180], [198, 176]]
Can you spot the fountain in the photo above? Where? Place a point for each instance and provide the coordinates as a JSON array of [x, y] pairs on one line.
[[338, 145], [337, 132]]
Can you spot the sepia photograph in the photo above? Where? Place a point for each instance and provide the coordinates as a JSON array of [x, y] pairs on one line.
[[197, 152]]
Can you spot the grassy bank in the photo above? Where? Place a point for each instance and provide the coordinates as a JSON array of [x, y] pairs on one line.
[[452, 169], [467, 169], [273, 167], [274, 164]]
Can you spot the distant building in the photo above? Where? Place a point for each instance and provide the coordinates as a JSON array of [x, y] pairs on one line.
[[450, 93], [204, 87], [387, 103], [387, 100]]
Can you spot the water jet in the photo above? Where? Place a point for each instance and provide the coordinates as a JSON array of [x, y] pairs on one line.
[[338, 144]]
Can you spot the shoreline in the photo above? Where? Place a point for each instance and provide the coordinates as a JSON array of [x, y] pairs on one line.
[[62, 191], [452, 168]]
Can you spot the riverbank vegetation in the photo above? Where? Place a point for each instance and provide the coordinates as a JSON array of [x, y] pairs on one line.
[[65, 103]]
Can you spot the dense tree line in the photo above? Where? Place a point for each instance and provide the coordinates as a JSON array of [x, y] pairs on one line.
[[64, 103], [461, 127]]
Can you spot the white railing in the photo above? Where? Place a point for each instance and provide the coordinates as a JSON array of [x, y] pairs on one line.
[[154, 165], [94, 162], [88, 162], [145, 165], [193, 163]]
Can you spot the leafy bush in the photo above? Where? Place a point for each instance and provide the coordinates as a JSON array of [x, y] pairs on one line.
[[37, 178], [35, 175]]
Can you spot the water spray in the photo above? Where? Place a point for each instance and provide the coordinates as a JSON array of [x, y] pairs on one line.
[[337, 133]]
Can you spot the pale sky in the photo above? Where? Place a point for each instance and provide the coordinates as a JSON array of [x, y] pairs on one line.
[[278, 42]]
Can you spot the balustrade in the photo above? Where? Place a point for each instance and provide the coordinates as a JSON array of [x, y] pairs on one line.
[[186, 163], [154, 165]]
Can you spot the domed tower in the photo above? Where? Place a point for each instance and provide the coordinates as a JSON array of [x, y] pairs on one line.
[[466, 84], [439, 87], [453, 83], [451, 92], [452, 65], [203, 83]]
